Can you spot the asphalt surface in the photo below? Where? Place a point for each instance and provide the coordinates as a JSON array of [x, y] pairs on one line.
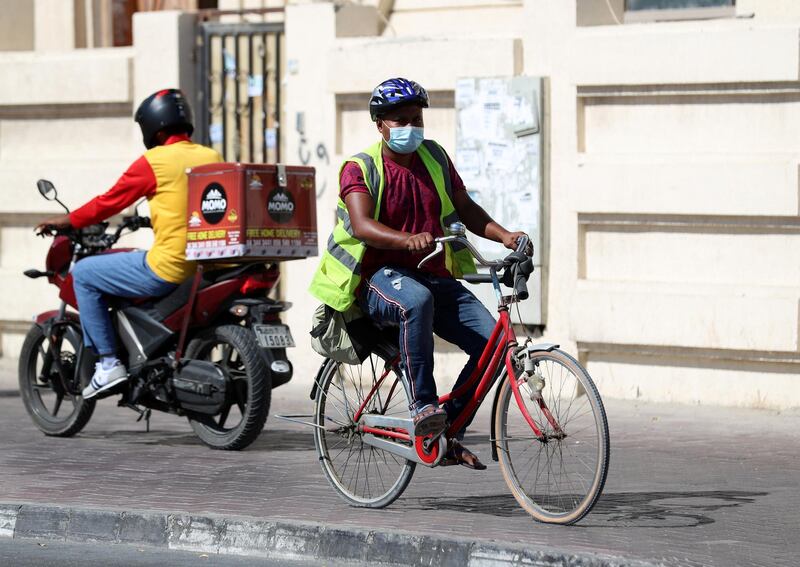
[[46, 553], [687, 485]]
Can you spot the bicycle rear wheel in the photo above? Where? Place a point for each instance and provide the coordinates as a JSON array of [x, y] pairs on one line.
[[556, 478], [362, 475]]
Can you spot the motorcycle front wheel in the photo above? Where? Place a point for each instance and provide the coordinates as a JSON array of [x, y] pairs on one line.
[[248, 387], [54, 409]]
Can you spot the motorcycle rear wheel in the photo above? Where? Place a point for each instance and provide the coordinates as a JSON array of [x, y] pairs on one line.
[[43, 394], [249, 386]]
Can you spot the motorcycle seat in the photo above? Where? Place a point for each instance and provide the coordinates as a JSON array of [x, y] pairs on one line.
[[162, 307]]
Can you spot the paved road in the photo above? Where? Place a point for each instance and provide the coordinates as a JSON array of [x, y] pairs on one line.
[[687, 485], [31, 553]]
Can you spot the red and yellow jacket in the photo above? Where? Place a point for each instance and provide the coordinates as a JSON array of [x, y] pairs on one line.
[[159, 175]]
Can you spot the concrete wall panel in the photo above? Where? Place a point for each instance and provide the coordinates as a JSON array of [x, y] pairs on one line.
[[71, 77], [717, 51], [717, 185], [691, 125], [698, 382], [435, 63], [689, 315], [456, 18], [743, 259], [16, 32], [69, 139]]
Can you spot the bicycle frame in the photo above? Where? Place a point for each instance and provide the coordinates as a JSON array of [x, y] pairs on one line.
[[381, 431]]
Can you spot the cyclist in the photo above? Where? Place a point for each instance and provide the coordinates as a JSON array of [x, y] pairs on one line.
[[159, 175], [395, 198]]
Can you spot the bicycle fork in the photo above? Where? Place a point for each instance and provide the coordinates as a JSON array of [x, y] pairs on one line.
[[536, 383]]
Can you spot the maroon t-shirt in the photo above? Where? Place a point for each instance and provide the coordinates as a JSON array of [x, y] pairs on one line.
[[410, 204]]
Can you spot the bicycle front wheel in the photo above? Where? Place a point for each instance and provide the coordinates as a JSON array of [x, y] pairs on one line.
[[362, 475], [558, 477]]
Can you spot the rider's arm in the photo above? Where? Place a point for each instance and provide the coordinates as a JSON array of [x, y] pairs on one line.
[[137, 182], [361, 208]]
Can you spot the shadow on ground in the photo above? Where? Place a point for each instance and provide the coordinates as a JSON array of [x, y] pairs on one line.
[[615, 509], [269, 440]]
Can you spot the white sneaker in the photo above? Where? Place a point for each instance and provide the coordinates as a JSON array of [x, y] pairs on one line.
[[102, 380]]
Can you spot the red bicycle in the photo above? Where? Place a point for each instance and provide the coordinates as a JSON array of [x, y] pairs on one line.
[[549, 430]]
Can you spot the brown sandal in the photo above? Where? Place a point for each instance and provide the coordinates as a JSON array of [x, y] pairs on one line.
[[457, 454]]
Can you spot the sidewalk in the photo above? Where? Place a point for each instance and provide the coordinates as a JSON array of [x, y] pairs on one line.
[[9, 384], [687, 486]]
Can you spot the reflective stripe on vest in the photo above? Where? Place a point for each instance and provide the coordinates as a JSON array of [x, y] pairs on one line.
[[337, 251], [339, 271]]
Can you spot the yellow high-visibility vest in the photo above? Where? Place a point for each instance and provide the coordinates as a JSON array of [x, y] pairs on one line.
[[339, 270]]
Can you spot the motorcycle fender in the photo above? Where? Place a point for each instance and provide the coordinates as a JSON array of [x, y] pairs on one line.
[[541, 347], [279, 365], [41, 318]]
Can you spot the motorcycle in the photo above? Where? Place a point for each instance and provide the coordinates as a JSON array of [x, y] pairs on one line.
[[211, 350]]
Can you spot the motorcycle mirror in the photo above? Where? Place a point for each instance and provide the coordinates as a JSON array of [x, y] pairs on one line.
[[47, 189]]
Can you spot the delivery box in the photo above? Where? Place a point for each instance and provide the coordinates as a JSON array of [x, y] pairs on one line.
[[251, 212]]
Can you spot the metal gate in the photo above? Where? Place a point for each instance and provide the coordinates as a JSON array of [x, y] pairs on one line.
[[239, 90]]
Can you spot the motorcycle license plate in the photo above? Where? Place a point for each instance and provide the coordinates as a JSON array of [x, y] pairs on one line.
[[273, 336]]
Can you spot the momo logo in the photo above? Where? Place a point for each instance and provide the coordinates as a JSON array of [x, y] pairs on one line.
[[280, 206], [214, 203], [255, 181]]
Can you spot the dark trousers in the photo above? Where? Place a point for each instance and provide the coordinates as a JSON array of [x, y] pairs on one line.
[[422, 304]]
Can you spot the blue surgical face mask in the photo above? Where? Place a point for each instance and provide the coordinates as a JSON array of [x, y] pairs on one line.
[[405, 139]]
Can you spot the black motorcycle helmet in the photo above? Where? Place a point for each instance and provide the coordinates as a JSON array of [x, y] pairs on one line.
[[165, 109]]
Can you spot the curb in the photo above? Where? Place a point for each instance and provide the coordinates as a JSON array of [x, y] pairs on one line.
[[278, 539]]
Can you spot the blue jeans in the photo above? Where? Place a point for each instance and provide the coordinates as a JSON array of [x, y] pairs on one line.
[[422, 304], [121, 274]]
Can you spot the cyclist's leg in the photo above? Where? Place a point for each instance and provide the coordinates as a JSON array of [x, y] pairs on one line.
[[460, 318], [396, 297]]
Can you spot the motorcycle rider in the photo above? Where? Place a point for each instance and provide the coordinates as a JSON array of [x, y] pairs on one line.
[[165, 119]]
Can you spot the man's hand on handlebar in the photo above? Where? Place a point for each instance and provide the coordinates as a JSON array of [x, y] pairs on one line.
[[420, 242], [57, 223], [510, 241]]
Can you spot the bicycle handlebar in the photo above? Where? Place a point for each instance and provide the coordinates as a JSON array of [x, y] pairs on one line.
[[518, 264], [507, 261]]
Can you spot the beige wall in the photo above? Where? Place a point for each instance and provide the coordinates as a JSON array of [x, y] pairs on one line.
[[16, 25], [673, 200], [672, 167]]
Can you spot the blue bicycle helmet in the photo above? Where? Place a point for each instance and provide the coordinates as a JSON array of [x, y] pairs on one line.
[[392, 93]]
